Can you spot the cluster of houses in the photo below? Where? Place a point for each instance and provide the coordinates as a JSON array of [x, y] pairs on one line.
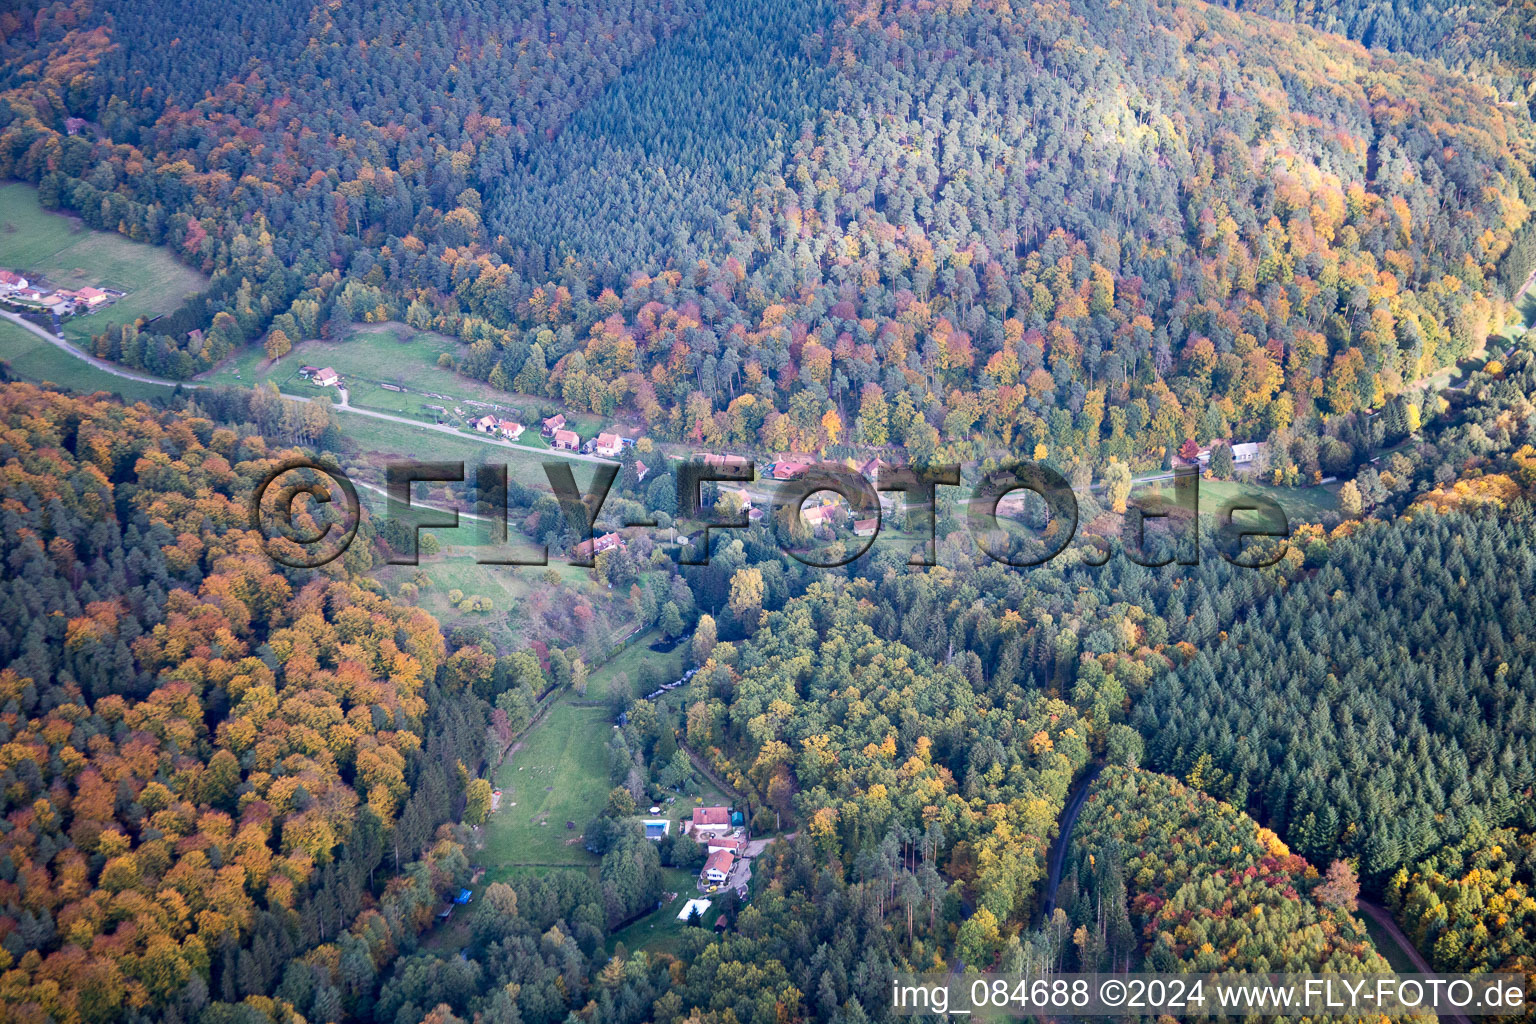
[[497, 427], [60, 301], [721, 834]]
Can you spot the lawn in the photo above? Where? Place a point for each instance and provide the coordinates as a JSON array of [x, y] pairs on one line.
[[32, 358], [70, 255], [628, 662], [659, 931], [375, 355], [1301, 504], [455, 568], [558, 774]]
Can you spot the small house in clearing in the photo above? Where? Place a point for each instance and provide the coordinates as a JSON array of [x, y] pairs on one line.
[[510, 429], [567, 440], [718, 867], [608, 445], [865, 527], [1244, 454], [326, 377], [91, 297], [486, 424], [553, 425]]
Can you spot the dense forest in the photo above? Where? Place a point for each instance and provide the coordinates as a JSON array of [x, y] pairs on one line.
[[1128, 226]]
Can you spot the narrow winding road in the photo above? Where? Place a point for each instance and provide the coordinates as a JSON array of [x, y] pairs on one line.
[[344, 406], [1058, 855]]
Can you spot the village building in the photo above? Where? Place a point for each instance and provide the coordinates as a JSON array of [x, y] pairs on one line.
[[91, 297], [327, 377], [589, 549], [1244, 454], [822, 515], [789, 470], [567, 440], [553, 425], [710, 820], [873, 467], [510, 429], [486, 424], [11, 282], [734, 844], [609, 445], [640, 470], [866, 527], [718, 867]]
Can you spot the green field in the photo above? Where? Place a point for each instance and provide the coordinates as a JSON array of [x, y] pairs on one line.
[[32, 358], [659, 931], [70, 255], [627, 663], [375, 355], [558, 774]]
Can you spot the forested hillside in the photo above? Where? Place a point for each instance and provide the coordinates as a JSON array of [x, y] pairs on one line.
[[206, 767], [1165, 878], [1128, 226], [1094, 234]]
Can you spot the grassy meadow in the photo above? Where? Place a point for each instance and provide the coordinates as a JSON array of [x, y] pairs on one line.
[[70, 255]]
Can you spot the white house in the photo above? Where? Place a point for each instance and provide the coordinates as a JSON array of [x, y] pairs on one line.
[[11, 282], [1242, 454], [327, 378], [711, 819], [608, 445], [486, 424], [718, 867], [510, 429]]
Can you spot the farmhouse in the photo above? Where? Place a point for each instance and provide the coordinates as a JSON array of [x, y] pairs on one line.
[[91, 297], [588, 549], [327, 377], [821, 515], [486, 424], [865, 527], [640, 470], [553, 425], [789, 470], [11, 282], [567, 440], [609, 445], [872, 468], [510, 429], [711, 819], [718, 867]]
